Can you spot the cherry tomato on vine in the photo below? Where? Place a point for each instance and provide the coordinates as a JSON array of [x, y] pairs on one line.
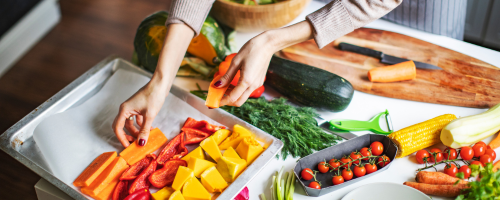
[[346, 160], [307, 174], [436, 153], [488, 147], [347, 174], [466, 153], [365, 152], [334, 163], [323, 167], [451, 152], [354, 156], [422, 156], [481, 143], [475, 162], [359, 171], [485, 159], [451, 170], [370, 168], [466, 170], [491, 153], [337, 180], [383, 161], [377, 148], [479, 149], [315, 185]]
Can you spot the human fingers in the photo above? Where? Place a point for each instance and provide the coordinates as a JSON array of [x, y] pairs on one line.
[[130, 138], [142, 139], [228, 77], [139, 119], [244, 97], [235, 94], [118, 125], [129, 125]]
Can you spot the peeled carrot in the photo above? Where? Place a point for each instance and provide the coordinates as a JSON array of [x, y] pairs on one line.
[[224, 66], [215, 94], [438, 190], [495, 143], [94, 169], [398, 72], [496, 166], [111, 175], [437, 178], [107, 192], [134, 152]]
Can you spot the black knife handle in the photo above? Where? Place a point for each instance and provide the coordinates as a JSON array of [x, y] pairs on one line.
[[361, 50]]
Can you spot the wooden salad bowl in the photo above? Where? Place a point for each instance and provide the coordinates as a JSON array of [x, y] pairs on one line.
[[253, 18]]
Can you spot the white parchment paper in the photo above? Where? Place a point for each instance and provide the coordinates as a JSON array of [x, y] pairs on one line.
[[71, 140]]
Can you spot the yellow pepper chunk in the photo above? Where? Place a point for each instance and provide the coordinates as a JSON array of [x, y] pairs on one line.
[[177, 195], [197, 153], [249, 149], [212, 180], [199, 165], [221, 135], [239, 132], [230, 168], [210, 146], [194, 190], [231, 153], [182, 175], [163, 194]]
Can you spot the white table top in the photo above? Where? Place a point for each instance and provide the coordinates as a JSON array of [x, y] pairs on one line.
[[364, 106]]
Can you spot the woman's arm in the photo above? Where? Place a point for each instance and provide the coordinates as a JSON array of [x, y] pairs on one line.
[[146, 103]]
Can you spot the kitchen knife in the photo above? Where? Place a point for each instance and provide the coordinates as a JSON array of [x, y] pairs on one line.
[[325, 125], [384, 58]]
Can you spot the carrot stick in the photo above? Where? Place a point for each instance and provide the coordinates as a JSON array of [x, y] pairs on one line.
[[94, 169], [495, 143], [398, 72], [215, 94], [496, 166], [438, 190], [437, 178]]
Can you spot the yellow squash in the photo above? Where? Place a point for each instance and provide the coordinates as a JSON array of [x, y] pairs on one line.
[[213, 180], [194, 190], [163, 194], [231, 153], [182, 175], [199, 165], [210, 146], [231, 168], [197, 153], [249, 149]]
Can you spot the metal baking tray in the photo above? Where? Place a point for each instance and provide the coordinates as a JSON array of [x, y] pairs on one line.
[[337, 151], [18, 141]]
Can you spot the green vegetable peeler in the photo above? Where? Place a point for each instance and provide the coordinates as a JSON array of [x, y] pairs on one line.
[[371, 125]]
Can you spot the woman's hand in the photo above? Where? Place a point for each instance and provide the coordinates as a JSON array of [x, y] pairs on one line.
[[147, 102], [253, 60]]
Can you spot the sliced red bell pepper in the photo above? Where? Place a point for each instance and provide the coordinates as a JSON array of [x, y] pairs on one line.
[[141, 182], [165, 176], [201, 125], [121, 191], [174, 149], [139, 195], [194, 136], [134, 170]]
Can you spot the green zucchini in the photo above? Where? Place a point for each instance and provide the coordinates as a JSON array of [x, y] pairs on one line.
[[309, 85]]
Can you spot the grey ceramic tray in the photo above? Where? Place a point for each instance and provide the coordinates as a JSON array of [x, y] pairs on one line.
[[337, 151], [18, 141]]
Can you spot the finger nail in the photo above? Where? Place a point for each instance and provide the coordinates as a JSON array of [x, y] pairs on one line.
[[142, 142], [218, 83]]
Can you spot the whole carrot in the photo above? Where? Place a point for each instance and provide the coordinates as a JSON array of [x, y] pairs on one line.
[[437, 178], [495, 143], [438, 190]]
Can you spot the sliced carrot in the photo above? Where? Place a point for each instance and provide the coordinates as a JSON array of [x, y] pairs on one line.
[[496, 166], [109, 176], [495, 143], [107, 193], [94, 169], [438, 190], [215, 94], [437, 178], [398, 72], [134, 152], [224, 66]]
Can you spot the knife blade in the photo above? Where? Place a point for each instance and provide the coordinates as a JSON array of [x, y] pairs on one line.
[[384, 58], [341, 133]]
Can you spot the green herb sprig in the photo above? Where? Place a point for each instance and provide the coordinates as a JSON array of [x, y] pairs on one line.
[[488, 187]]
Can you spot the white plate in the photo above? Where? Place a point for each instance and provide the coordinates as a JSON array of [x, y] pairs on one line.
[[385, 191]]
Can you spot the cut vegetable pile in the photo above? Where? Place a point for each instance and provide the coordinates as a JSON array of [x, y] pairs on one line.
[[180, 174]]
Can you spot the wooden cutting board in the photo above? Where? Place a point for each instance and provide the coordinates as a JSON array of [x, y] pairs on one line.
[[464, 81]]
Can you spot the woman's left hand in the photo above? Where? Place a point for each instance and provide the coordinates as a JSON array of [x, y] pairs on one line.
[[253, 60]]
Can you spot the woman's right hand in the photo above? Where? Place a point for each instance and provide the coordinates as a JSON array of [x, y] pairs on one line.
[[144, 105]]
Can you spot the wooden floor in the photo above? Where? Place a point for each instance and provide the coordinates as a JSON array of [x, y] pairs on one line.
[[89, 31]]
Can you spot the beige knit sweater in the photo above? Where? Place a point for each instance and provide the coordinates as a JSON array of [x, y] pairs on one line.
[[334, 20]]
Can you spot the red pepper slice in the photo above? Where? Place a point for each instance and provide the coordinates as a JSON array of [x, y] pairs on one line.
[[139, 195], [134, 170], [165, 176], [194, 136], [201, 125], [121, 190], [174, 148], [141, 181]]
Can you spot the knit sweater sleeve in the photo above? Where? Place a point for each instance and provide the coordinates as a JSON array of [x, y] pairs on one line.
[[190, 12]]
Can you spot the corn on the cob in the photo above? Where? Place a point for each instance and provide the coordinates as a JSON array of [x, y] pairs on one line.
[[421, 135]]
